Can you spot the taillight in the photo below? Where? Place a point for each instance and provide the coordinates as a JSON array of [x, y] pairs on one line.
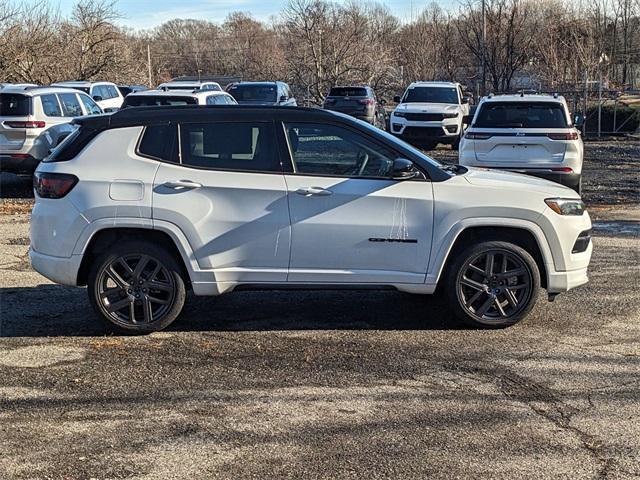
[[30, 124], [478, 135], [562, 169], [53, 185], [366, 101], [563, 136]]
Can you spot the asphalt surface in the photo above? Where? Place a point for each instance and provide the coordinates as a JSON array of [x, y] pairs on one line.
[[357, 384]]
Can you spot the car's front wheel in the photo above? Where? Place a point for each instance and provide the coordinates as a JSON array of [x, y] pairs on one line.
[[137, 287], [492, 284]]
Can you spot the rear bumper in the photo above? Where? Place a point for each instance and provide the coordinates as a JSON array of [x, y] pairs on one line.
[[62, 270], [18, 164]]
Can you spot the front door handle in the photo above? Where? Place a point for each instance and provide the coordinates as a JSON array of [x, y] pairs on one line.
[[313, 191], [182, 184]]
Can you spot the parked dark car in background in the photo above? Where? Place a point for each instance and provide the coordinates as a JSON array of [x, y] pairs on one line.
[[357, 101], [127, 89], [262, 93]]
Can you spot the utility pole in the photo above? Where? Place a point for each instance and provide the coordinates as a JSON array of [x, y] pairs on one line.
[[484, 48], [149, 65]]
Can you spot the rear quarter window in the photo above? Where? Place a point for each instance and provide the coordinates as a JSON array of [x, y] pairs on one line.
[[72, 145], [158, 142], [50, 105], [14, 105], [521, 115]]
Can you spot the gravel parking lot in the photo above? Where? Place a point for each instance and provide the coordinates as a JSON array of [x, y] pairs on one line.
[[357, 384]]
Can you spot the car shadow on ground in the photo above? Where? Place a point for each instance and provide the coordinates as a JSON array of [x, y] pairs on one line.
[[55, 310]]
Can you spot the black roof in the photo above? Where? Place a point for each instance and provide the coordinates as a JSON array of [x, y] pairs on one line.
[[134, 116]]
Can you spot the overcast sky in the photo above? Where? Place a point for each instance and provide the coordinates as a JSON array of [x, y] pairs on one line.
[[150, 13]]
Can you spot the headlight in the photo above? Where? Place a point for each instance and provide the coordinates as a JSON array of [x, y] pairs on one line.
[[399, 114], [566, 206], [450, 115]]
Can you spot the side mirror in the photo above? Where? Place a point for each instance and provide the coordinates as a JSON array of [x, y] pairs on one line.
[[97, 98], [466, 119], [396, 99], [466, 100], [403, 169], [284, 98], [578, 120]]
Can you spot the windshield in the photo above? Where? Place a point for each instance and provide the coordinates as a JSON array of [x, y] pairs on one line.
[[254, 93], [151, 101], [14, 105], [521, 115], [430, 95], [348, 92]]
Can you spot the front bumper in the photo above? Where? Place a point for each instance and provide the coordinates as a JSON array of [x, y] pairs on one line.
[[414, 132], [558, 282], [62, 270]]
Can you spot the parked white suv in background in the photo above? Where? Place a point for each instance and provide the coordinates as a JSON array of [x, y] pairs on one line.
[[146, 203], [530, 134], [148, 98], [190, 85], [106, 94], [33, 120], [430, 113]]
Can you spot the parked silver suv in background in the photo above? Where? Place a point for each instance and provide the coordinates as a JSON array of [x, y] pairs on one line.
[[34, 120], [531, 134]]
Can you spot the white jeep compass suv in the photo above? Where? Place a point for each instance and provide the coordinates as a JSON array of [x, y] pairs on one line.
[[430, 113], [147, 203], [530, 134]]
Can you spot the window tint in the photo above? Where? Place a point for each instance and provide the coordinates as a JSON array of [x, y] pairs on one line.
[[150, 101], [336, 151], [50, 105], [228, 146], [521, 115], [348, 92], [216, 100], [158, 141], [90, 106], [254, 93], [113, 91], [431, 95], [70, 104], [14, 105]]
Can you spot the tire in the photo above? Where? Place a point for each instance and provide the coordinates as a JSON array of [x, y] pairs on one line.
[[470, 290], [156, 295], [578, 186]]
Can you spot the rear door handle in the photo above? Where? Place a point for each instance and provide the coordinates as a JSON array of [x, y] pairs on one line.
[[182, 184], [313, 191]]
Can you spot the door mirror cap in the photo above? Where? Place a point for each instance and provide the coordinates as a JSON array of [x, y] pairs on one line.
[[578, 120], [396, 99], [466, 100], [97, 98], [284, 98], [403, 169]]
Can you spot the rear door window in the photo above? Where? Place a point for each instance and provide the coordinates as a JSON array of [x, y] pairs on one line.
[[50, 105], [70, 104], [521, 115], [14, 105], [246, 146]]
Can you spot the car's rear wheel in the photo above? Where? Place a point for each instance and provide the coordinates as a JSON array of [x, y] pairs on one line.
[[137, 287], [492, 284]]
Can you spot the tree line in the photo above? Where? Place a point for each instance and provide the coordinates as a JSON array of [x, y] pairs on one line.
[[314, 44]]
